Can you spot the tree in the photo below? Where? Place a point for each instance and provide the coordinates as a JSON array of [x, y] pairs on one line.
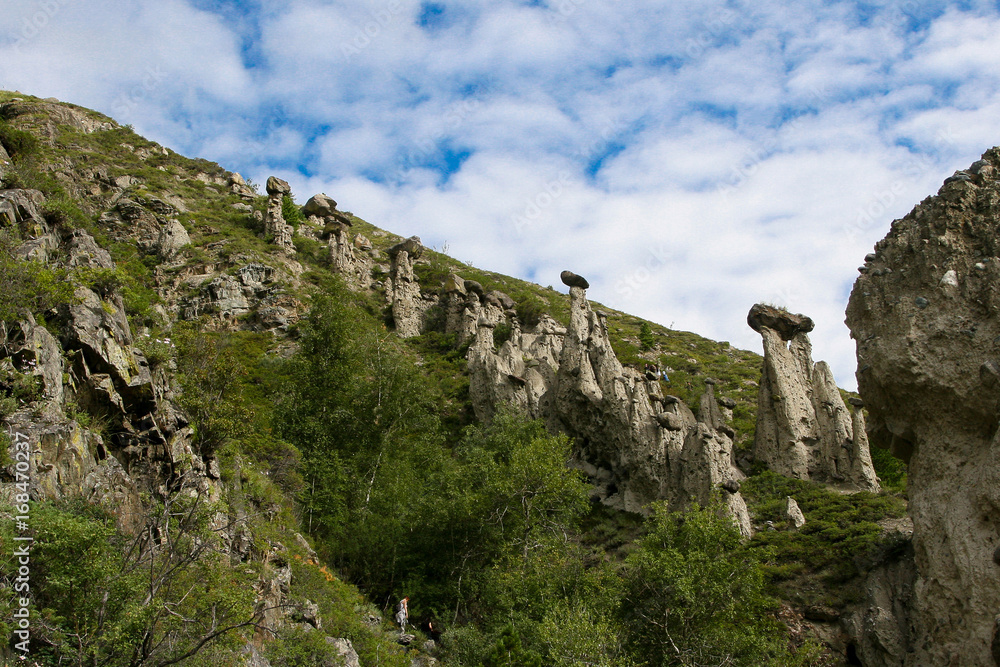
[[693, 595], [646, 339]]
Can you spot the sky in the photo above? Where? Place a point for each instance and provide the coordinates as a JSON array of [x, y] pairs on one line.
[[689, 158]]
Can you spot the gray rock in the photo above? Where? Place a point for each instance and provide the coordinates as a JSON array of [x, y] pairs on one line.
[[172, 238], [793, 513], [804, 430], [348, 656], [277, 187], [571, 279], [924, 392], [787, 324], [320, 205]]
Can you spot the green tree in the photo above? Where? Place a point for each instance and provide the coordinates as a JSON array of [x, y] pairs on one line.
[[693, 595], [646, 340], [508, 652]]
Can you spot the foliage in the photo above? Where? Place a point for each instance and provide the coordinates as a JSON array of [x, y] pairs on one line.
[[290, 212], [102, 596], [646, 337], [27, 285], [694, 595], [840, 537], [508, 652], [18, 143], [890, 470]]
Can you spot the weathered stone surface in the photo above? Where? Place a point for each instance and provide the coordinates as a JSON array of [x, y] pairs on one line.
[[636, 445], [804, 430], [403, 290], [571, 279], [922, 343], [320, 205], [411, 246], [794, 513], [277, 187], [172, 238], [785, 323], [344, 648]]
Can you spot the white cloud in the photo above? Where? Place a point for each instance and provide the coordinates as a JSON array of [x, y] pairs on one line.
[[746, 151]]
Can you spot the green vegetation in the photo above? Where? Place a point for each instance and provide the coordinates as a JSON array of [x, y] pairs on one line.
[[31, 287], [367, 445], [841, 538]]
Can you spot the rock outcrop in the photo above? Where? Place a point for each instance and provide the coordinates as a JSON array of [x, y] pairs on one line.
[[924, 315], [274, 221], [635, 444], [403, 290], [804, 430]]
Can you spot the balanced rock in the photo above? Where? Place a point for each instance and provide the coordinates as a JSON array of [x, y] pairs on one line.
[[320, 205], [277, 187], [785, 323], [571, 279]]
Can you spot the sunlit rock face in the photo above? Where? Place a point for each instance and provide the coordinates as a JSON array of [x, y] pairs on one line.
[[924, 315]]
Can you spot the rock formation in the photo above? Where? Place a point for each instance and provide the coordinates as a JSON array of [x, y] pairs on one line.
[[924, 315], [274, 221], [804, 430], [636, 444], [403, 290]]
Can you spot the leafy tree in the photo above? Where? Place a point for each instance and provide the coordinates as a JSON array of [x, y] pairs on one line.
[[693, 595]]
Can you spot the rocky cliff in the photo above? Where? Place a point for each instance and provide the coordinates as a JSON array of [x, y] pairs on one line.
[[924, 314], [636, 444]]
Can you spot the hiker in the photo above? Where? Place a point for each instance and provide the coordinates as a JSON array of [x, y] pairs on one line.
[[403, 613]]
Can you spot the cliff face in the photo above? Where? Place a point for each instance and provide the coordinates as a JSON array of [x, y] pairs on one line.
[[636, 444], [924, 313]]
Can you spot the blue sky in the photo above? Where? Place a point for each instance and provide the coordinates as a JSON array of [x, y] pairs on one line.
[[688, 158]]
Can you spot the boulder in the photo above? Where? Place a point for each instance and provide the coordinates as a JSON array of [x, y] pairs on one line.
[[793, 513], [785, 323], [320, 205], [571, 279], [277, 187]]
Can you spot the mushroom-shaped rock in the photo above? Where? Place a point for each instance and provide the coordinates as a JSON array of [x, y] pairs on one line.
[[320, 205], [413, 247], [474, 287], [731, 485], [276, 186], [856, 402], [785, 323], [571, 279]]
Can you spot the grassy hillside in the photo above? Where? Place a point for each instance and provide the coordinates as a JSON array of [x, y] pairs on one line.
[[332, 427]]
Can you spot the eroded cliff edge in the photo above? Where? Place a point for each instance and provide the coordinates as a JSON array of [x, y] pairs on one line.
[[924, 314]]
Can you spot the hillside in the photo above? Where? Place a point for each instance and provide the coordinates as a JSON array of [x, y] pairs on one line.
[[224, 415]]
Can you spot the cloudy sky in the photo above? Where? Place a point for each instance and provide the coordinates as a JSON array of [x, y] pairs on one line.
[[690, 158]]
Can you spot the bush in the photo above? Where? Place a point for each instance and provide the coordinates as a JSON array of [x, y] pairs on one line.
[[17, 143]]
